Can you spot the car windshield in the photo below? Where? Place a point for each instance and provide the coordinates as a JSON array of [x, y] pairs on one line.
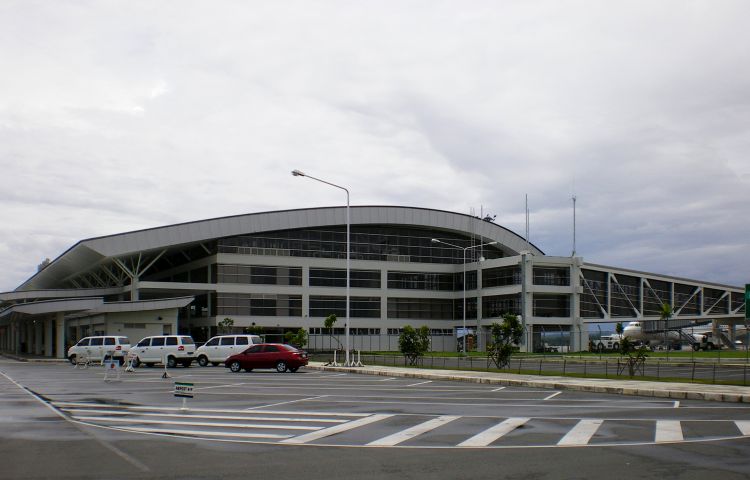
[[290, 348]]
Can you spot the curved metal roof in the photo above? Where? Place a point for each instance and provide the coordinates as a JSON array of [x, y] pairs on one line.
[[89, 252]]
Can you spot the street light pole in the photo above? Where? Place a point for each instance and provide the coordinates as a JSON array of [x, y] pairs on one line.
[[435, 240], [297, 173]]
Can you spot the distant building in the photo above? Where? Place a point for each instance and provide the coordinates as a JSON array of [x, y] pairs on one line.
[[285, 270]]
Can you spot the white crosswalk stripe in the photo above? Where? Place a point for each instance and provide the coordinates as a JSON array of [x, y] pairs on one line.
[[356, 429], [412, 432], [488, 436], [668, 431], [581, 433]]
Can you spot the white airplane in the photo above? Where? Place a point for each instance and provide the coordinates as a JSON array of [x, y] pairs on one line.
[[634, 331]]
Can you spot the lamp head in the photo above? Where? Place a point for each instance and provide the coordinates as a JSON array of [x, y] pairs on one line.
[[297, 173], [492, 243]]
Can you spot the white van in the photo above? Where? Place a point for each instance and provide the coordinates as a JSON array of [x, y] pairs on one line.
[[172, 349], [218, 349], [94, 348]]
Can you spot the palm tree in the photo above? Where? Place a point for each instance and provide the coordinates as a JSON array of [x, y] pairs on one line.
[[664, 315]]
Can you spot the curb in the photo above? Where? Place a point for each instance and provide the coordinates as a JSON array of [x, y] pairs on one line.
[[18, 358], [560, 383]]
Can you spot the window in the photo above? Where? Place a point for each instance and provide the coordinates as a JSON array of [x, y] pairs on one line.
[[157, 342], [171, 340], [213, 342], [124, 341], [259, 275], [552, 276], [271, 348], [359, 307], [83, 343], [423, 308], [241, 340], [227, 341], [187, 340], [144, 343], [254, 349], [109, 341], [95, 342], [333, 277], [268, 305], [501, 276]]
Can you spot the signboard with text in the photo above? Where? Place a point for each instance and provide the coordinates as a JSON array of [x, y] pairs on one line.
[[183, 389]]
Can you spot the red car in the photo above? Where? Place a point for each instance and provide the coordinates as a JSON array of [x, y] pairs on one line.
[[268, 355]]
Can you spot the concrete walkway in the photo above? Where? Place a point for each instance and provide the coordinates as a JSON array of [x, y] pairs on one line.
[[677, 391]]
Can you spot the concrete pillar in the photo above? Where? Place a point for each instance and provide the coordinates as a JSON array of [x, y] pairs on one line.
[[28, 336], [60, 329], [48, 333], [38, 337], [134, 296]]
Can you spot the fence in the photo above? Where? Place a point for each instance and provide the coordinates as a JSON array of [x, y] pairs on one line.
[[686, 371]]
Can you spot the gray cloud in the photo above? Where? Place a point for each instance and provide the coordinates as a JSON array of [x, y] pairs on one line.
[[125, 116]]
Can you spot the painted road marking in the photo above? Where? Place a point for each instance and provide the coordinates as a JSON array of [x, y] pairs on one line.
[[668, 431], [327, 432], [77, 411], [206, 433], [285, 403], [197, 424], [208, 410], [744, 426], [420, 383], [488, 436], [552, 396], [412, 432], [498, 389], [581, 433]]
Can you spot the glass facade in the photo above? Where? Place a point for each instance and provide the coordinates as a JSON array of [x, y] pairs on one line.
[[559, 276], [550, 305], [258, 275], [494, 306], [501, 276], [336, 277], [362, 307], [383, 243], [261, 305]]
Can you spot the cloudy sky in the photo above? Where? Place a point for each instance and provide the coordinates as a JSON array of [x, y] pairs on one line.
[[116, 116]]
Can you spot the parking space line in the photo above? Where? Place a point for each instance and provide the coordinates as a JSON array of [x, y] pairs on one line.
[[259, 426], [387, 379], [420, 383], [581, 433], [744, 426], [284, 403], [498, 389], [209, 410], [206, 433], [412, 432], [327, 432], [482, 439], [552, 396], [668, 431], [77, 411]]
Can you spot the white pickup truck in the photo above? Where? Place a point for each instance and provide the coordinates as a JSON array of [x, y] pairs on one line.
[[608, 342]]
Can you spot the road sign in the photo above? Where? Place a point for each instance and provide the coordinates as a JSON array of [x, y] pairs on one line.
[[183, 389]]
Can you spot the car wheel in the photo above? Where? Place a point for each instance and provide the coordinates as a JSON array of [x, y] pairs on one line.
[[72, 359], [696, 347], [171, 362], [121, 361], [294, 370], [235, 367], [215, 364], [600, 348], [281, 366], [136, 362], [203, 361], [615, 346]]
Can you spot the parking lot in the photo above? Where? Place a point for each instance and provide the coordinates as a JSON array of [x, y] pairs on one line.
[[330, 411]]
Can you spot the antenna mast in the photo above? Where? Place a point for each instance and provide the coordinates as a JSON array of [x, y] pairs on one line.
[[574, 226]]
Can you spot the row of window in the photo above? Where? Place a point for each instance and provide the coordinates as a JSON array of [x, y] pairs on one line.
[[370, 307], [381, 243]]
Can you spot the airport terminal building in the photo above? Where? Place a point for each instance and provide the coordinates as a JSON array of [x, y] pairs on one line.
[[274, 272]]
